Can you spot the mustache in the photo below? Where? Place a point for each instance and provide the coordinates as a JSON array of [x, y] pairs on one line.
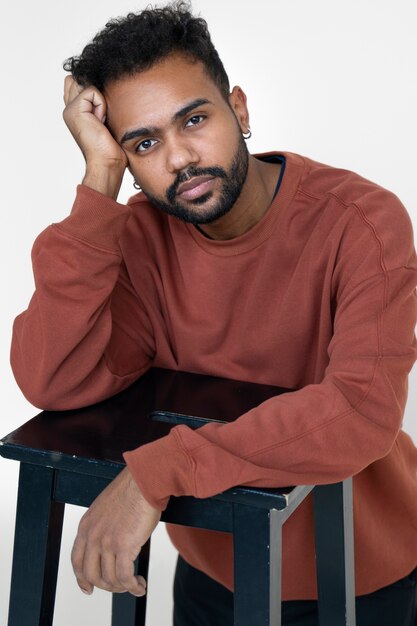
[[192, 172]]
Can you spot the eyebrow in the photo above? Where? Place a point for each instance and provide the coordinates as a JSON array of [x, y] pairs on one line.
[[154, 130]]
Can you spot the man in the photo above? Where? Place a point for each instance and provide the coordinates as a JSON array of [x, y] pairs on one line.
[[269, 268]]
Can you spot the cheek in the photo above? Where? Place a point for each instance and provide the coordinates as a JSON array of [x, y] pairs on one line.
[[220, 146]]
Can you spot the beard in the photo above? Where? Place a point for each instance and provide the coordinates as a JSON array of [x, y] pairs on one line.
[[194, 212]]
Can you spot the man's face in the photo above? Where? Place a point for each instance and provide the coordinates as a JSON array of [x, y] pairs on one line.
[[183, 140]]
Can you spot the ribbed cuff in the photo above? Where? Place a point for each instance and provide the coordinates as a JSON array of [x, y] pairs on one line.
[[96, 219], [161, 469]]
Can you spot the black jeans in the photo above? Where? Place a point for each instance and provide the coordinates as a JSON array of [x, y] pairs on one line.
[[201, 601]]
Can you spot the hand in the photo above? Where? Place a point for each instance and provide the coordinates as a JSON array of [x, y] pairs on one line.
[[110, 537], [85, 116]]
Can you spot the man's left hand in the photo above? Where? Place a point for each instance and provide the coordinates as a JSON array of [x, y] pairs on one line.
[[110, 537]]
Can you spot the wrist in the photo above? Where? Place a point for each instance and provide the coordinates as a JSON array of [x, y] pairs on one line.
[[105, 179]]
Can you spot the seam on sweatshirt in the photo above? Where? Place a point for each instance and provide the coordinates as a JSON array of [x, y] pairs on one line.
[[336, 418], [361, 214], [382, 274], [380, 243], [86, 242], [305, 193], [219, 254], [381, 249], [292, 440], [368, 222], [316, 428]]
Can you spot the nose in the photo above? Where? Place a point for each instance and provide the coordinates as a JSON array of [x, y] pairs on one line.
[[180, 154]]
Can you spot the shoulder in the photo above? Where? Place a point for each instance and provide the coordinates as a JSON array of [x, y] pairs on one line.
[[320, 179], [349, 189], [365, 208]]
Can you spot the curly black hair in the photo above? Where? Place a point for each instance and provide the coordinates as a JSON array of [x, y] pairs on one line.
[[134, 43]]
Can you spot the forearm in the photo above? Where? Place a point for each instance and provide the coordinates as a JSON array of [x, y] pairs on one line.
[[319, 434], [63, 342], [106, 180], [294, 439]]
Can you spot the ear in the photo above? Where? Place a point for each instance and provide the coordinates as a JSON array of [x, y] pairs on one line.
[[238, 104]]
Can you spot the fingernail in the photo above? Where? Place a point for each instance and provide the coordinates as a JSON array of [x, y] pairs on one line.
[[86, 591]]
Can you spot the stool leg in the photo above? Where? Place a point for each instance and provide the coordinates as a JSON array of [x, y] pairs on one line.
[[37, 545], [333, 520], [257, 536], [127, 610]]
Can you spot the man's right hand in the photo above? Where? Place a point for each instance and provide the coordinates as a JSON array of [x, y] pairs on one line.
[[85, 115]]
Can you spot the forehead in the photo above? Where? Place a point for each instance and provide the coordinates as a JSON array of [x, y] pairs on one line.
[[150, 98]]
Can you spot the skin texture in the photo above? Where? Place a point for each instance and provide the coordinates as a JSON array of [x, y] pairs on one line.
[[110, 536], [176, 144]]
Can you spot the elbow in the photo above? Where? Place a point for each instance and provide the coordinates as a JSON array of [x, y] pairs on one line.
[[39, 389], [41, 396]]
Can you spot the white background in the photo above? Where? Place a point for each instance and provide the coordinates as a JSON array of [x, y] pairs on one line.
[[335, 81]]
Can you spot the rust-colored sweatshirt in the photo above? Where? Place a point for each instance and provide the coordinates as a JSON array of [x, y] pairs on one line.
[[319, 296]]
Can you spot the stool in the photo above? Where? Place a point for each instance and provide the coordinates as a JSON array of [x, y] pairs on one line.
[[71, 456]]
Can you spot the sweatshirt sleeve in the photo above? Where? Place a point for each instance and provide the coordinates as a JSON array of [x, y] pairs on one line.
[[72, 347], [323, 432]]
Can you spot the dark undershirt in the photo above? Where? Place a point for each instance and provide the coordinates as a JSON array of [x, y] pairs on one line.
[[275, 158]]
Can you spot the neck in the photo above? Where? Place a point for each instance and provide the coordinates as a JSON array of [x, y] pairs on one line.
[[252, 204]]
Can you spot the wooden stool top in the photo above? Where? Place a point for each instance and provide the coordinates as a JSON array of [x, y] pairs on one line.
[[91, 440]]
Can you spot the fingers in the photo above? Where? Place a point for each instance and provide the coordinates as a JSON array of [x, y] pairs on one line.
[[85, 114], [77, 560], [108, 579], [110, 536], [99, 105], [71, 89], [125, 576], [91, 100], [94, 567]]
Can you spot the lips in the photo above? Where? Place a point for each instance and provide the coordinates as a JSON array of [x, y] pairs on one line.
[[195, 187]]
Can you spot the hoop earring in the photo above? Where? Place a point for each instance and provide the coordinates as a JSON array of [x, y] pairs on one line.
[[136, 186], [248, 134]]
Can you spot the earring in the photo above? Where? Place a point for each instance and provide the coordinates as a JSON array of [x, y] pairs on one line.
[[248, 134], [136, 186]]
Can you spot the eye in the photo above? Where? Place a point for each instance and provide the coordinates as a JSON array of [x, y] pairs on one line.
[[145, 145], [195, 120]]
